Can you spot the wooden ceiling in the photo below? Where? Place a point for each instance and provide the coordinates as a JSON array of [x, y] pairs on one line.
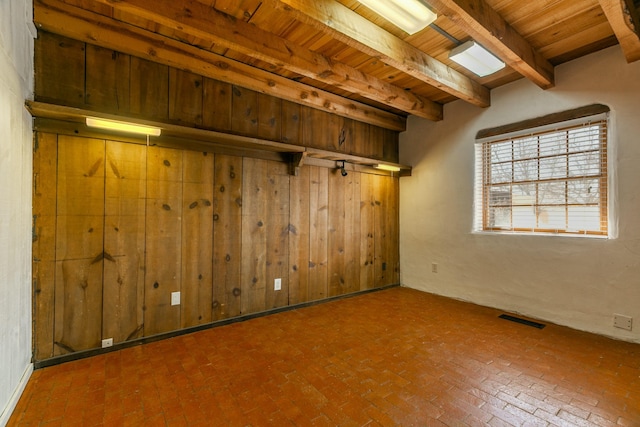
[[339, 56]]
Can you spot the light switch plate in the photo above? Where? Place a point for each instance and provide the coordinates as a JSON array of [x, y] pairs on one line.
[[277, 284]]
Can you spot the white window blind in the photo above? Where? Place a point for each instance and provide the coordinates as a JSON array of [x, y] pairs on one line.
[[547, 180]]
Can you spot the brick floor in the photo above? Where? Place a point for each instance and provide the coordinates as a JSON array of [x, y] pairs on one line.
[[397, 357]]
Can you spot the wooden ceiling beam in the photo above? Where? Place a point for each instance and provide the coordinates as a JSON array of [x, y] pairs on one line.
[[89, 27], [345, 25], [489, 29], [216, 28], [625, 21]]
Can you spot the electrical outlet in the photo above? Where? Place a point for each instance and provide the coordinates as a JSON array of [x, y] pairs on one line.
[[277, 284], [107, 342], [175, 298], [622, 321], [434, 267]]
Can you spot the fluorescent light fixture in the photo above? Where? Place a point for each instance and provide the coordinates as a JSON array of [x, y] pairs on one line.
[[475, 58], [122, 126], [390, 168], [410, 15]]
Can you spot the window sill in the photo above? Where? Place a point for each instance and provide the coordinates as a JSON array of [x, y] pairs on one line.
[[540, 234]]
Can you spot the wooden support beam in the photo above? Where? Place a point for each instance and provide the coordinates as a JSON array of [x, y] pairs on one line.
[[215, 28], [200, 139], [79, 24], [345, 25], [489, 29], [78, 115], [625, 21], [296, 162]]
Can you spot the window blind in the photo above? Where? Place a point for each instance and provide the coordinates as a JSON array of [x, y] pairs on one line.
[[547, 180]]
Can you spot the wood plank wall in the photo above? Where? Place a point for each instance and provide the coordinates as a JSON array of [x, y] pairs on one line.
[[76, 74], [119, 227]]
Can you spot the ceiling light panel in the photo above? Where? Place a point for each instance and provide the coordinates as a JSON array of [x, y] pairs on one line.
[[409, 15], [476, 58]]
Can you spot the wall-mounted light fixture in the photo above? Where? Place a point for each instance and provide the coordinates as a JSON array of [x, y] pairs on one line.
[[389, 168], [476, 58], [410, 15], [123, 126], [340, 164]]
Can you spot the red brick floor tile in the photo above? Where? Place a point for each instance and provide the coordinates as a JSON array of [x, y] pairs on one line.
[[359, 361]]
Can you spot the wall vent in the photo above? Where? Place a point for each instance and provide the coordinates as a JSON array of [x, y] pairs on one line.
[[522, 321]]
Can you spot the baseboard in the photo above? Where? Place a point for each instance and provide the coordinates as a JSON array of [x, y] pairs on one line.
[[15, 397]]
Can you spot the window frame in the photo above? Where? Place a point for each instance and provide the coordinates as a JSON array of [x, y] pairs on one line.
[[538, 128]]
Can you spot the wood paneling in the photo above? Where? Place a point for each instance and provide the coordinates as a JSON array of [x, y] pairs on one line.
[[123, 84], [163, 239], [60, 70], [227, 232], [255, 198], [386, 226], [392, 217], [299, 234], [197, 245], [107, 80], [118, 227], [367, 231], [383, 145], [344, 233], [291, 123], [244, 111], [216, 111], [389, 142], [359, 139], [124, 241], [149, 89], [269, 117], [325, 133], [185, 97], [79, 244], [277, 233], [265, 222], [45, 155], [318, 232]]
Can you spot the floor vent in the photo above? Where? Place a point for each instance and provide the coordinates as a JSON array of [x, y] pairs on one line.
[[523, 321]]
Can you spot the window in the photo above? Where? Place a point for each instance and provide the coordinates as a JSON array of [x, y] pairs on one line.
[[549, 179]]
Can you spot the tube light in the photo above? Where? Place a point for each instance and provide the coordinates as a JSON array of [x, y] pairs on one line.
[[387, 167], [475, 58], [122, 126], [410, 15]]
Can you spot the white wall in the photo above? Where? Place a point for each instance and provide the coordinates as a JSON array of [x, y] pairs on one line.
[[578, 282], [16, 84]]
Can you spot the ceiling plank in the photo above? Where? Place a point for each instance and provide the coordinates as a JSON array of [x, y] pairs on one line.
[[352, 29], [623, 18], [207, 24], [79, 24], [489, 29]]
